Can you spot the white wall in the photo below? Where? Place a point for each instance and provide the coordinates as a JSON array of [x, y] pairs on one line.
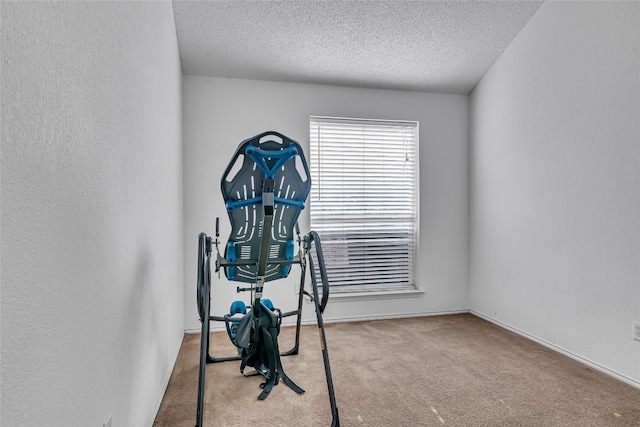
[[221, 113], [555, 184], [91, 211]]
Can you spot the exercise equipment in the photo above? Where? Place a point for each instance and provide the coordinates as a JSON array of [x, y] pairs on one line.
[[264, 187]]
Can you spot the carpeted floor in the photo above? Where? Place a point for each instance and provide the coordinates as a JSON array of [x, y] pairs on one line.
[[456, 370]]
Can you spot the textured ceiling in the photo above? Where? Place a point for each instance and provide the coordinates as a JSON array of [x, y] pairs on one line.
[[444, 46]]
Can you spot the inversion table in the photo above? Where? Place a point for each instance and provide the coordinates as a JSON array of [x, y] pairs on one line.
[[264, 188]]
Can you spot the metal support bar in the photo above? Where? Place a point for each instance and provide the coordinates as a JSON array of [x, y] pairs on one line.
[[204, 274], [313, 237]]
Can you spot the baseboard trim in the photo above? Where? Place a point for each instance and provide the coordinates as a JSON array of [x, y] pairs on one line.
[[628, 380], [392, 316], [165, 382], [343, 319]]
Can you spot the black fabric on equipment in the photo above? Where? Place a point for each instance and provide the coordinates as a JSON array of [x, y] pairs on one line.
[[243, 331], [263, 353]]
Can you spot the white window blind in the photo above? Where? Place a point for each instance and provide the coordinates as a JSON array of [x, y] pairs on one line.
[[364, 201]]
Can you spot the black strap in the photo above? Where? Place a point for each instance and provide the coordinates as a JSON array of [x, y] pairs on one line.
[[293, 386], [266, 388], [280, 370], [263, 350], [270, 341], [270, 353]]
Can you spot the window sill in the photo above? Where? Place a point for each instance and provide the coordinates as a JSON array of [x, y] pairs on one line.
[[375, 295]]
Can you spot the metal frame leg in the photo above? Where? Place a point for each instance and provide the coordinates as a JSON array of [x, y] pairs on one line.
[[205, 276], [313, 237]]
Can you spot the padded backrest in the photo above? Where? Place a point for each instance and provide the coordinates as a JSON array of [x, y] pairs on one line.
[[269, 155]]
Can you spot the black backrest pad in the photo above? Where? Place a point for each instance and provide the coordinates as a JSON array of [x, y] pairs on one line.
[[267, 155]]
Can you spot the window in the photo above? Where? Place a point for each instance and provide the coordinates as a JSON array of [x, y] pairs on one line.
[[364, 201]]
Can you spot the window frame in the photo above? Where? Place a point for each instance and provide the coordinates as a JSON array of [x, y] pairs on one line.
[[411, 288]]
